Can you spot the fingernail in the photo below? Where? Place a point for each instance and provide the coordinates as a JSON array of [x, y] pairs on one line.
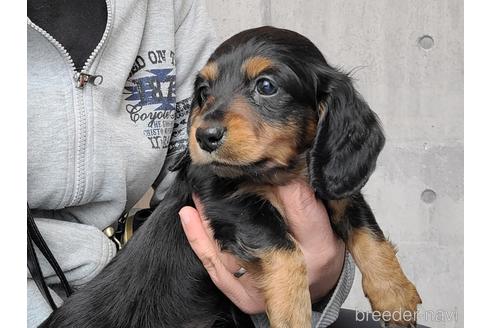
[[184, 218]]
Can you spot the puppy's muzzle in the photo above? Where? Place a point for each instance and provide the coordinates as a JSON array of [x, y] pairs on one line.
[[210, 137]]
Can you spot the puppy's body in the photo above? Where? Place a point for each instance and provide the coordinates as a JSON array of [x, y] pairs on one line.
[[156, 280], [267, 109]]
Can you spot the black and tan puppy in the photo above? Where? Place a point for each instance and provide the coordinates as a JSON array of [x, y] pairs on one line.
[[267, 109]]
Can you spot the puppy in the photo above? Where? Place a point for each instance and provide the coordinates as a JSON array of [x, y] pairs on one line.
[[267, 109]]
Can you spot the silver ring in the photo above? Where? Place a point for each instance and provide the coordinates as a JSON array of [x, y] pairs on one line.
[[239, 273]]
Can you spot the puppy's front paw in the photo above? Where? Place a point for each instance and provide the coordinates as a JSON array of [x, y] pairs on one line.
[[394, 301]]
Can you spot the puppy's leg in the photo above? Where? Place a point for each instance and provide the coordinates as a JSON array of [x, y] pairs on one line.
[[383, 281], [388, 289], [282, 276]]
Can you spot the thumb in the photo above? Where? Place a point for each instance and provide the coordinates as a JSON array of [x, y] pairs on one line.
[[208, 252], [197, 235]]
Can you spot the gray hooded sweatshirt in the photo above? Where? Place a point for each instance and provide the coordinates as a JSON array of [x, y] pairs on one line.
[[95, 148]]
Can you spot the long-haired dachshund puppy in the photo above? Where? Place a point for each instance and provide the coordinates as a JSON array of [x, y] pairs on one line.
[[267, 109]]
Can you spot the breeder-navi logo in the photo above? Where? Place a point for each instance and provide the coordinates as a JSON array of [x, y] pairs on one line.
[[420, 316]]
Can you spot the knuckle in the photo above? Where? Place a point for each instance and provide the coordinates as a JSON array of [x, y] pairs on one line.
[[305, 201], [210, 260], [192, 240]]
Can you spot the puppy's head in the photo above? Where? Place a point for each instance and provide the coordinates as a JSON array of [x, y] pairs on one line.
[[265, 97]]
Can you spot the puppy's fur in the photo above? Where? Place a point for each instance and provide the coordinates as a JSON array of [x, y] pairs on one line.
[[267, 109]]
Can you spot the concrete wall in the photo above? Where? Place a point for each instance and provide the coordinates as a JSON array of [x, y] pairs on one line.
[[416, 87]]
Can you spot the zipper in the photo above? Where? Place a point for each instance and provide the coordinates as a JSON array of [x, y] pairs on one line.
[[81, 79], [54, 42], [83, 75]]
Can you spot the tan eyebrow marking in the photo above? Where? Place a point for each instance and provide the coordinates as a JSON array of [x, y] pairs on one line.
[[210, 71], [254, 66]]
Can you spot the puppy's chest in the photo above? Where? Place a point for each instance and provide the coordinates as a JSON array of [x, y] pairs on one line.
[[239, 198]]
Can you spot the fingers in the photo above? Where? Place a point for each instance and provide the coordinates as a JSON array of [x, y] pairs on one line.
[[202, 216], [307, 216], [197, 235], [199, 206], [228, 260], [207, 251]]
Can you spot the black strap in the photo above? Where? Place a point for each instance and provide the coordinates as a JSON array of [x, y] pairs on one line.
[[36, 273], [34, 238]]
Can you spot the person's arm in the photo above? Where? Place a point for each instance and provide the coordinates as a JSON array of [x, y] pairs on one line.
[[195, 41], [324, 253], [328, 308]]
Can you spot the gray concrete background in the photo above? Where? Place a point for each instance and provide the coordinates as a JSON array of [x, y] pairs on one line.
[[418, 94]]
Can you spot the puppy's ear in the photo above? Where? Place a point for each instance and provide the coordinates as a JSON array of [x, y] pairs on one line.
[[348, 140]]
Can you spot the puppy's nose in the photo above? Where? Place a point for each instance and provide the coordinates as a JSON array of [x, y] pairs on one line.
[[209, 138]]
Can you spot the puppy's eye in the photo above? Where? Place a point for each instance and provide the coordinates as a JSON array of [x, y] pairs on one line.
[[266, 87]]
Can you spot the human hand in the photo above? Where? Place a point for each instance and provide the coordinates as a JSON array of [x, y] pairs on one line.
[[309, 224]]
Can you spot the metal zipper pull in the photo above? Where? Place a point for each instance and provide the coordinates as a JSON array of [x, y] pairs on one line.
[[83, 78]]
